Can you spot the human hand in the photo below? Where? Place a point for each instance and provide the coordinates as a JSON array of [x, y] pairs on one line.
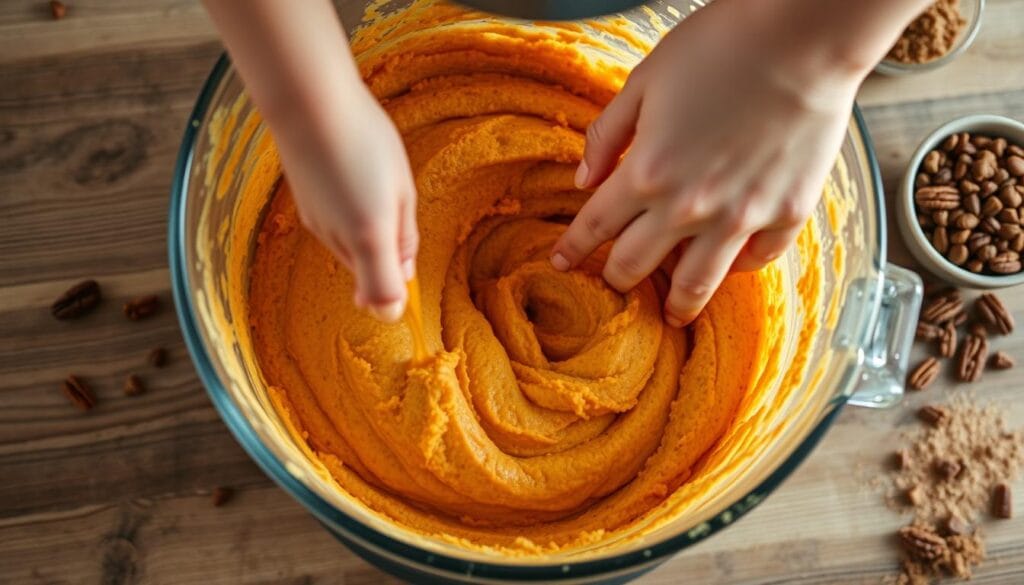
[[354, 190], [729, 143], [342, 155]]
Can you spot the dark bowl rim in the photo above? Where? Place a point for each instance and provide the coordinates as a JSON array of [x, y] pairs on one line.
[[401, 552]]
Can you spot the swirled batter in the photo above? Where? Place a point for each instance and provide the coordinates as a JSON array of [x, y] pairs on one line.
[[553, 411]]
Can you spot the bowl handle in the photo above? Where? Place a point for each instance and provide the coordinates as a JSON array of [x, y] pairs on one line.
[[885, 342]]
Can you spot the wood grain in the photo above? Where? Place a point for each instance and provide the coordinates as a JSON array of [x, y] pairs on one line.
[[92, 109]]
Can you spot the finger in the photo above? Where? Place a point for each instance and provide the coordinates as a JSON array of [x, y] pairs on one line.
[[607, 138], [698, 274], [378, 268], [408, 238], [338, 249], [599, 220], [639, 250], [764, 247]]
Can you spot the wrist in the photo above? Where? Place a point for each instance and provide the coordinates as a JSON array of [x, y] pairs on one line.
[[821, 47]]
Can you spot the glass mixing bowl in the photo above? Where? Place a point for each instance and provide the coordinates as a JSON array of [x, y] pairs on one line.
[[868, 310]]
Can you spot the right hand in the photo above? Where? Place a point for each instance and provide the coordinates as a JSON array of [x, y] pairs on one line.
[[354, 191]]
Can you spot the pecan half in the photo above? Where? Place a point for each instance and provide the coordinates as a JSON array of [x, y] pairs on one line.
[[947, 341], [79, 393], [972, 358], [1007, 262], [141, 307], [995, 313], [922, 543], [937, 197], [933, 415], [942, 309], [927, 331], [924, 374], [77, 300]]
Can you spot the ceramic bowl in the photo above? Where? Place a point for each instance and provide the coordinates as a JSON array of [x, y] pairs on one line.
[[914, 236]]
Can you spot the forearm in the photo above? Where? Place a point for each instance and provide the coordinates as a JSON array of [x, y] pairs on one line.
[[293, 56], [840, 38]]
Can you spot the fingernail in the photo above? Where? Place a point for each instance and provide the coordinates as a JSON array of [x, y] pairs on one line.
[[560, 262], [672, 321], [390, 312], [581, 175], [408, 269]]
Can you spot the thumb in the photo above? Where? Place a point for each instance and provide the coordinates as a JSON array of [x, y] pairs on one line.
[[607, 138]]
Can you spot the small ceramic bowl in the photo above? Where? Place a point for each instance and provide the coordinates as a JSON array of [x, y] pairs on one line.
[[971, 11], [906, 216]]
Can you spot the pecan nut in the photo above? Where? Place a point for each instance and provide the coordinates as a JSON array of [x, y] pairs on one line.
[[58, 10], [972, 358], [77, 300], [921, 543], [937, 197], [1002, 501], [927, 331], [947, 341], [133, 386], [948, 469], [141, 307], [933, 415], [221, 495], [1002, 360], [79, 393], [956, 526], [157, 357], [943, 308], [924, 374], [995, 313], [1005, 263]]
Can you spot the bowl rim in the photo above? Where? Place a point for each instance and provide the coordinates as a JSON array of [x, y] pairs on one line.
[[894, 68], [919, 245], [398, 551]]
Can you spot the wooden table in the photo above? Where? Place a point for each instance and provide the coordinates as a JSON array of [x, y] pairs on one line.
[[92, 109]]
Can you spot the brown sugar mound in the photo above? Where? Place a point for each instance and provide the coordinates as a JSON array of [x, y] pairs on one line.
[[931, 35], [945, 478]]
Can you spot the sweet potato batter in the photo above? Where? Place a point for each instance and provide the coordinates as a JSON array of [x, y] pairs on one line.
[[553, 411]]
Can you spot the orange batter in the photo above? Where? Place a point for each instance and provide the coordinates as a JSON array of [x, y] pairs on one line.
[[552, 411]]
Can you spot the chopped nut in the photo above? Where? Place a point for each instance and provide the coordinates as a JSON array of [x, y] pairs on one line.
[[956, 525], [1002, 501], [221, 495], [1002, 361]]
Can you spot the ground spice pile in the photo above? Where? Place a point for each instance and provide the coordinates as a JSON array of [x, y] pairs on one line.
[[931, 35], [954, 473]]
